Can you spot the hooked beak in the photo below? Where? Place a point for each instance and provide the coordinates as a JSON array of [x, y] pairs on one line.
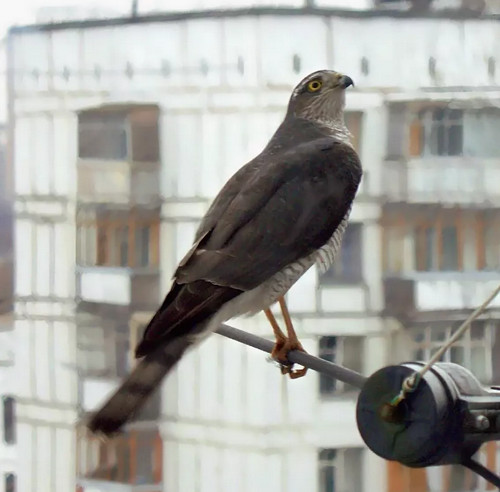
[[345, 81]]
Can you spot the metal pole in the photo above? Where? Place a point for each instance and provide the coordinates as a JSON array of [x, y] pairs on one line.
[[307, 360]]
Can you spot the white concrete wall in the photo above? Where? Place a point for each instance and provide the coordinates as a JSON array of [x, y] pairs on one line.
[[235, 416]]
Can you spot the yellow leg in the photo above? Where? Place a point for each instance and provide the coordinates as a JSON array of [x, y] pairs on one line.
[[285, 343]]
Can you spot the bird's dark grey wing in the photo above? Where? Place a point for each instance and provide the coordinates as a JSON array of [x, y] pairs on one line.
[[284, 210]]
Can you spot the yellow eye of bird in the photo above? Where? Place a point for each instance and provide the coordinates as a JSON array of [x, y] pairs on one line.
[[314, 85]]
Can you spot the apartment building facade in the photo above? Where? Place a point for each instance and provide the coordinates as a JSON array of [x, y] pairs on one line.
[[125, 129]]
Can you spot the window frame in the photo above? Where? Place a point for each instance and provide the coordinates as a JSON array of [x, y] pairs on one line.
[[335, 461], [9, 420], [403, 231], [98, 244], [423, 350], [329, 387], [131, 121], [335, 275]]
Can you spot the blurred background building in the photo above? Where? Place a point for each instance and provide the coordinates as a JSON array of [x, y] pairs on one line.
[[123, 129]]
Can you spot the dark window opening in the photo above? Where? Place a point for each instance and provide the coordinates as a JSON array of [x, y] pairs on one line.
[[9, 420]]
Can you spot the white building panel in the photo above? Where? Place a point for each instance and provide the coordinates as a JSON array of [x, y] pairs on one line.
[[65, 446], [455, 293], [302, 466], [106, 285], [185, 152], [210, 378], [66, 60], [210, 170], [41, 141], [343, 299], [24, 238], [45, 473], [278, 45], [188, 466], [185, 232], [241, 43], [25, 439], [210, 467], [232, 469], [233, 392], [65, 388], [187, 383], [31, 62], [43, 353], [203, 52], [234, 141], [64, 271], [44, 258], [301, 298], [98, 64], [24, 168], [65, 138], [96, 391]]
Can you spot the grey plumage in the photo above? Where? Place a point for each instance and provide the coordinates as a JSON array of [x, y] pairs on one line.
[[278, 215]]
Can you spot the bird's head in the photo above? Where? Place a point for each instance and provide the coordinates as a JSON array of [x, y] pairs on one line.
[[320, 97]]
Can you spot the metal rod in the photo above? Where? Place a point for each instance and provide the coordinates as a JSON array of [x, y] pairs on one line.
[[481, 470], [307, 360]]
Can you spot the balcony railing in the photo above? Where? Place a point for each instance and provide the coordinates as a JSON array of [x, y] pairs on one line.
[[134, 458], [118, 182], [439, 291], [119, 285], [449, 180]]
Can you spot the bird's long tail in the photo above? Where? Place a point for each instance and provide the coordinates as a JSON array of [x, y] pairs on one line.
[[138, 387]]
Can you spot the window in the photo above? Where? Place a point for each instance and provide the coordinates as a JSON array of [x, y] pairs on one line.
[[10, 482], [133, 458], [347, 267], [441, 132], [353, 121], [121, 240], [340, 470], [129, 134], [103, 349], [438, 130], [441, 240], [9, 420], [346, 351], [473, 351]]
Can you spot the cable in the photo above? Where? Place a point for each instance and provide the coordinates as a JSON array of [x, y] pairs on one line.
[[411, 382], [307, 360], [481, 470]]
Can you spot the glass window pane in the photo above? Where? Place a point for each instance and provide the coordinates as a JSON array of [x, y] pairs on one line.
[[449, 261], [455, 140], [102, 135], [479, 364], [430, 249], [327, 479], [348, 264], [477, 331], [142, 246], [438, 333], [457, 355]]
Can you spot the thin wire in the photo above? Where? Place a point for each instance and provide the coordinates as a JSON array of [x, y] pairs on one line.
[[481, 470], [411, 382], [307, 360]]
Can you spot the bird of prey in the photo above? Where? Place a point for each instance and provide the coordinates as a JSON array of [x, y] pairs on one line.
[[281, 213]]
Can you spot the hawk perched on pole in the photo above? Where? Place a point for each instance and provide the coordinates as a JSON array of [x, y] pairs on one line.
[[281, 213]]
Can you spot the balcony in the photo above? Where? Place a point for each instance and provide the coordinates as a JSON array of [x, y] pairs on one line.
[[118, 182], [445, 180], [123, 286], [439, 291], [95, 390], [132, 461]]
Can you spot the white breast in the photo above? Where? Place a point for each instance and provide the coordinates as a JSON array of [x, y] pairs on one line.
[[264, 295]]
